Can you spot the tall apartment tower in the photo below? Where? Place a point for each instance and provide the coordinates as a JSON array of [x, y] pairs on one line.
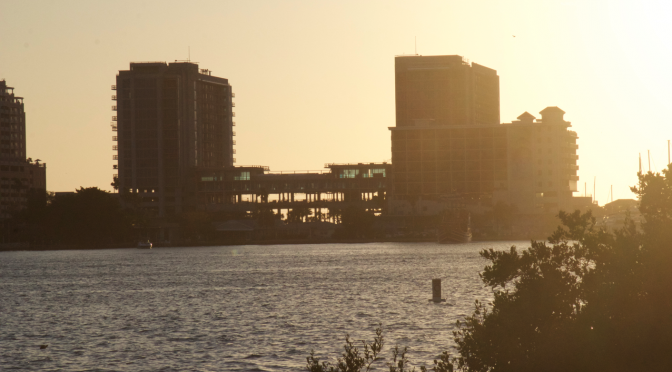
[[18, 175], [173, 120], [447, 139], [445, 90]]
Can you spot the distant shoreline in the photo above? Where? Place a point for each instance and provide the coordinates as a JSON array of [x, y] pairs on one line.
[[21, 247]]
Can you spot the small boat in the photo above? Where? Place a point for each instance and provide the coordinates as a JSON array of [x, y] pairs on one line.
[[455, 230], [145, 244]]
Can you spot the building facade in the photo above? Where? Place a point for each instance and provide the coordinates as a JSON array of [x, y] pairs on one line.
[[542, 170], [448, 143], [440, 160], [18, 175], [445, 91], [172, 120]]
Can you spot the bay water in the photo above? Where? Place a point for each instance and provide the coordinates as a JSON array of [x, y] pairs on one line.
[[231, 308]]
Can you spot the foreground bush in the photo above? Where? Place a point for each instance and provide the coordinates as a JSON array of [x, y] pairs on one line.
[[352, 360]]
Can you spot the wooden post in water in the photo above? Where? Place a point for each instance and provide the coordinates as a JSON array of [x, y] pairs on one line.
[[436, 290]]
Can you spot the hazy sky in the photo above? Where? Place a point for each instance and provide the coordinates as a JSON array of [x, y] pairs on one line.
[[314, 80]]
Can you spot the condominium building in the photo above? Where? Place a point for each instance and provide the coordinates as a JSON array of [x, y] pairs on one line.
[[445, 91], [447, 138], [542, 162], [18, 175], [172, 121], [448, 143]]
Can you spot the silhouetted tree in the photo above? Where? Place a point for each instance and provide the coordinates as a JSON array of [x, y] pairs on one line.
[[115, 183], [266, 217], [587, 300], [88, 217], [356, 223]]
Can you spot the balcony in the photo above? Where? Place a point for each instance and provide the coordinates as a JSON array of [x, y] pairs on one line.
[[234, 160], [233, 133], [233, 104], [234, 142], [114, 108], [114, 97], [234, 151], [115, 147], [114, 87], [114, 118], [573, 178], [233, 95], [115, 166], [114, 138], [115, 157], [233, 114], [233, 123], [114, 127]]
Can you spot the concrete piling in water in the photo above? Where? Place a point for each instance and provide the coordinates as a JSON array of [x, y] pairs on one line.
[[436, 291]]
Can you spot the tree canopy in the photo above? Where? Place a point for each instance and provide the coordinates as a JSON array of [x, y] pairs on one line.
[[89, 217], [585, 300]]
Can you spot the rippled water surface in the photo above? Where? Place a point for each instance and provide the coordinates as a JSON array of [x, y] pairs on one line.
[[245, 308]]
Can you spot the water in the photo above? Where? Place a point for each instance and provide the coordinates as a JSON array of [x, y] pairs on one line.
[[244, 308]]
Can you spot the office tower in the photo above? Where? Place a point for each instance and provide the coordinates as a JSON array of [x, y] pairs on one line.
[[445, 90], [173, 121], [18, 175]]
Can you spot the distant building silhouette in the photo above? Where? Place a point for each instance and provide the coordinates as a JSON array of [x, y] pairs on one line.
[[542, 162], [448, 145], [18, 175], [173, 121], [445, 90], [447, 140]]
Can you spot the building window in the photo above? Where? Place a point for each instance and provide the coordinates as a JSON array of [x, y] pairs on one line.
[[370, 173], [349, 173], [244, 176]]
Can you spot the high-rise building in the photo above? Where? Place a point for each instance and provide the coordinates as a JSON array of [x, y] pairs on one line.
[[448, 142], [173, 121], [18, 175], [445, 90], [447, 139]]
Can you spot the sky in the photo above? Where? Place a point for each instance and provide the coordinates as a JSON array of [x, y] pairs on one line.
[[314, 80]]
